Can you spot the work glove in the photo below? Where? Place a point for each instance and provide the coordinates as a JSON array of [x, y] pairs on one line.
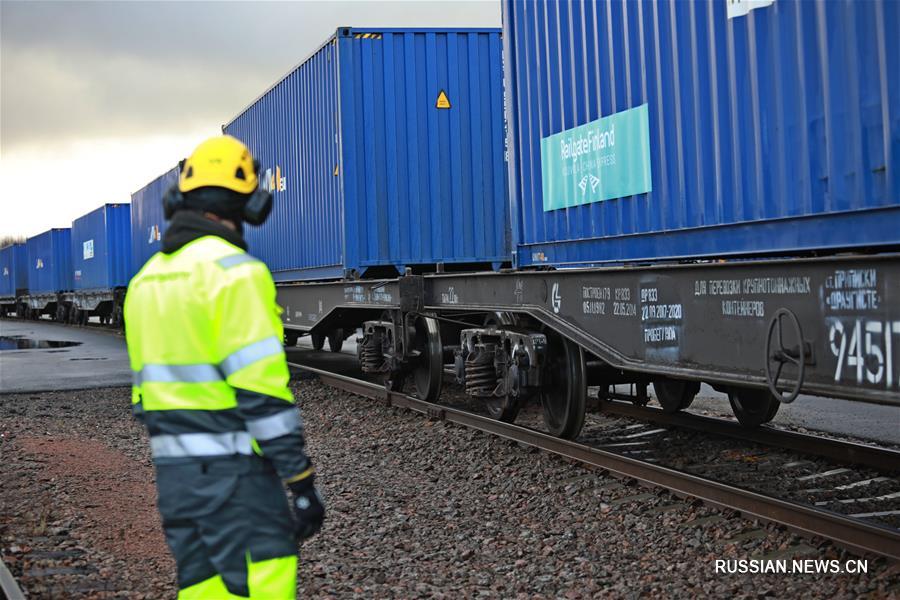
[[309, 510]]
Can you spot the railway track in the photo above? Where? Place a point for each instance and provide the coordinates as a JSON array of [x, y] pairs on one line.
[[8, 585], [858, 534], [846, 452]]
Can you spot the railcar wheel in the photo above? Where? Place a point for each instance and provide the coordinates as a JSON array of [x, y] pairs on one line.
[[564, 391], [428, 367], [318, 340], [674, 394], [426, 370], [505, 408], [336, 340], [753, 407], [290, 338]]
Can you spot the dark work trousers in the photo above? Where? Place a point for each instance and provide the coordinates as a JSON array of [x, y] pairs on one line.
[[220, 515]]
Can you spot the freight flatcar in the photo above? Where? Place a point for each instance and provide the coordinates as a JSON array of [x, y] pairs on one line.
[[384, 152], [101, 263], [700, 192], [13, 276], [83, 272], [49, 257]]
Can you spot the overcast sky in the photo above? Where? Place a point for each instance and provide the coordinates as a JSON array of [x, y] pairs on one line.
[[98, 98]]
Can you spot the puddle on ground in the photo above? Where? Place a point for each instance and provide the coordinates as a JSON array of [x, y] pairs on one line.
[[17, 342]]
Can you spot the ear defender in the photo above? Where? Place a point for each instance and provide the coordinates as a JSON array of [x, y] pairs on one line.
[[258, 207], [173, 200]]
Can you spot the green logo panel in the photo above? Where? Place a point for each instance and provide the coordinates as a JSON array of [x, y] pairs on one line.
[[603, 159]]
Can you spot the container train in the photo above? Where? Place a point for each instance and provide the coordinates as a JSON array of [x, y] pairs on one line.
[[650, 193]]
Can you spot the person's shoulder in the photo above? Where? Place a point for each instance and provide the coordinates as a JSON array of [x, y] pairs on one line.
[[238, 259], [213, 251], [229, 263]]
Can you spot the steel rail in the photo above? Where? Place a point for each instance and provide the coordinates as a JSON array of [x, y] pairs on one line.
[[857, 535], [8, 585], [883, 459]]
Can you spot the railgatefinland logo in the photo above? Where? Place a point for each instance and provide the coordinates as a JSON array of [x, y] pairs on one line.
[[155, 235], [604, 159], [274, 180], [5, 271], [39, 264]]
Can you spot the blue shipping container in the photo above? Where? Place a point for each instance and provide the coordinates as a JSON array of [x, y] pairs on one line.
[[50, 262], [384, 148], [771, 131], [13, 271], [147, 221], [101, 248]]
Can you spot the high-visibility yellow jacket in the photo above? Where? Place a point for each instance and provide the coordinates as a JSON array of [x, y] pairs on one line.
[[205, 344]]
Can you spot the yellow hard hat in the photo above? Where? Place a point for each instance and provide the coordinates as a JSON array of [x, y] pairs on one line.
[[221, 161]]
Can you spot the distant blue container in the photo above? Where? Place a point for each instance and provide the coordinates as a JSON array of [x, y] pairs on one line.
[[147, 221], [50, 262], [774, 132], [101, 248], [385, 148], [13, 271]]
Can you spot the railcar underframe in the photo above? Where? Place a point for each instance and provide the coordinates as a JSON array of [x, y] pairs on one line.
[[761, 331], [72, 307]]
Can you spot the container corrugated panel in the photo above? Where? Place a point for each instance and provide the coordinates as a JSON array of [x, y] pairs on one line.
[[13, 270], [775, 132], [368, 170], [101, 248], [50, 262], [293, 131], [148, 222]]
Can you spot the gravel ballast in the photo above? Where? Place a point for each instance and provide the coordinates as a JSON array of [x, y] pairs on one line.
[[415, 508]]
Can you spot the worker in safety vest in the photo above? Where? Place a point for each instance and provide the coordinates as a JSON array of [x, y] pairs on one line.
[[210, 384]]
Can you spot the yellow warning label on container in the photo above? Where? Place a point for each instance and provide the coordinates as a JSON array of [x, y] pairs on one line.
[[442, 100]]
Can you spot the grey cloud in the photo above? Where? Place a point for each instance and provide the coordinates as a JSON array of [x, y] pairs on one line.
[[73, 70]]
